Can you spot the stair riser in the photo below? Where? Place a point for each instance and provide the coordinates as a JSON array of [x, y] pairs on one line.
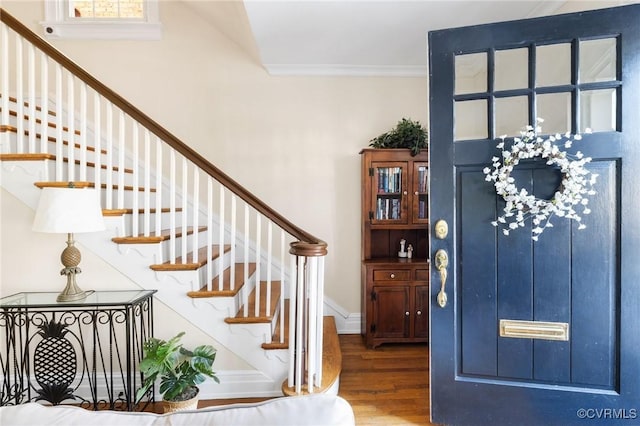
[[165, 223], [164, 218], [165, 246], [128, 197]]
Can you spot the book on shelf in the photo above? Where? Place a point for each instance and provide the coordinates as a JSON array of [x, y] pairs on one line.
[[389, 180], [422, 209], [423, 179]]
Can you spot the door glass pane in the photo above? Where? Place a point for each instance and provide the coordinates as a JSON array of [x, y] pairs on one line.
[[471, 73], [470, 120], [598, 110], [511, 69], [553, 65], [555, 109], [511, 115], [598, 60]]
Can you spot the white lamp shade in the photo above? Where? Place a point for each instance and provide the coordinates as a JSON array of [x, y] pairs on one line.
[[68, 210]]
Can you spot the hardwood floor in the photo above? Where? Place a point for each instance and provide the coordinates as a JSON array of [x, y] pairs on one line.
[[387, 386]]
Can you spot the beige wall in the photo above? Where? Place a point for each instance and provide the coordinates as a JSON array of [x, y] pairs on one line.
[[292, 141]]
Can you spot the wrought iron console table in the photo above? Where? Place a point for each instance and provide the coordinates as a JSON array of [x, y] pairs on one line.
[[84, 352]]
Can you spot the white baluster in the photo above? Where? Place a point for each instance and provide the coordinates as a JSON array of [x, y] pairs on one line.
[[147, 184], [172, 207], [221, 240], [121, 165], [97, 141], [292, 328], [4, 78], [59, 141], [183, 240], [320, 320], [232, 240], [269, 260], [298, 324], [135, 217], [159, 189], [283, 284], [19, 97], [258, 255], [209, 232], [31, 69], [245, 301], [109, 181], [312, 263], [195, 212], [71, 129], [83, 133], [44, 107]]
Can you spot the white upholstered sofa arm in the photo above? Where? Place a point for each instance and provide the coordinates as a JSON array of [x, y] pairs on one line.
[[308, 410]]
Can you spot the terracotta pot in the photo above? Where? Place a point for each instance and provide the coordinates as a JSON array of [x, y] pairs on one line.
[[173, 406]]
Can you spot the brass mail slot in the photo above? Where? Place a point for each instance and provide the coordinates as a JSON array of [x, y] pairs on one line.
[[534, 330]]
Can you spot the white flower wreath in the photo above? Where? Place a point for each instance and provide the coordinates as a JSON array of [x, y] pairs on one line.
[[577, 182]]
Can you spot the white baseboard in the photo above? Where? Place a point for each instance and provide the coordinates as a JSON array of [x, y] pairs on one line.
[[346, 323]]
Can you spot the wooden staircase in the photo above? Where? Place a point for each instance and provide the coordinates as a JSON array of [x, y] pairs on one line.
[[253, 286]]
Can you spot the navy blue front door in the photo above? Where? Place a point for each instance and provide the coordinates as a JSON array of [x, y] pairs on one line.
[[540, 332]]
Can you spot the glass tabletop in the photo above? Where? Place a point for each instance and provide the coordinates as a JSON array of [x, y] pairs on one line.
[[96, 298]]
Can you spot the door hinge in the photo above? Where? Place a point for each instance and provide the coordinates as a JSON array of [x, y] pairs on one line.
[[374, 296], [370, 215], [371, 171]]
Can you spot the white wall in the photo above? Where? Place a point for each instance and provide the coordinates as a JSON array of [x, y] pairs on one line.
[[292, 141]]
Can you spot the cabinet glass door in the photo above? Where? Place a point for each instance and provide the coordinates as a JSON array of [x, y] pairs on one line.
[[389, 188], [420, 193]]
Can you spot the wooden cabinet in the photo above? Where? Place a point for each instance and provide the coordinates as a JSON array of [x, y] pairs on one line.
[[395, 290]]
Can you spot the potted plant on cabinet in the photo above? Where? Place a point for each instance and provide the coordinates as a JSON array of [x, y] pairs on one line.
[[180, 371], [407, 134]]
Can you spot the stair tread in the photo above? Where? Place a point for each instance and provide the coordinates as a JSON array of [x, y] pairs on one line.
[[262, 316], [44, 156], [331, 359], [57, 184], [226, 291], [190, 264], [121, 212], [26, 157], [165, 235]]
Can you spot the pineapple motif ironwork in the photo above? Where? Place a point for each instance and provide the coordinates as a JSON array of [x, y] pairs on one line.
[[54, 363]]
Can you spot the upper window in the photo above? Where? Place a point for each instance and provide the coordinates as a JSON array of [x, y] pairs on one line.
[[102, 19]]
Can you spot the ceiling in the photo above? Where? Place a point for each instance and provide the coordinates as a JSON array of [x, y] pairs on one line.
[[380, 37]]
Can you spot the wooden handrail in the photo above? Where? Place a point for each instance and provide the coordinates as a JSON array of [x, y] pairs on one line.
[[158, 130]]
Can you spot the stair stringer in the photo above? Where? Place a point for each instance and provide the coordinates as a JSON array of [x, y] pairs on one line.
[[208, 315]]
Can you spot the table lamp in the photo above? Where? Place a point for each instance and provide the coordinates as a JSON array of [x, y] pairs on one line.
[[67, 211]]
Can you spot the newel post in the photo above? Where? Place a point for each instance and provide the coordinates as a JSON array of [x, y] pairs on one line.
[[305, 316]]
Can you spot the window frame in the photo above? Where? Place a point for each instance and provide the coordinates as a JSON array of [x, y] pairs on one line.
[[57, 25]]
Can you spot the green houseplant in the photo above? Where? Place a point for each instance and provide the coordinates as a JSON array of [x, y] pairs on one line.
[[407, 134], [180, 370]]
